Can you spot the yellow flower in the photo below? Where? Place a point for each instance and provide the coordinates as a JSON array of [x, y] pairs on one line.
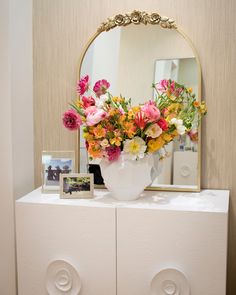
[[99, 131], [133, 111], [87, 136], [78, 103], [167, 137], [118, 99], [121, 119], [203, 109], [190, 89], [155, 144], [116, 141]]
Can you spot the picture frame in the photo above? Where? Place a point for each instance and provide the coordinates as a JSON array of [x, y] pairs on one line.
[[76, 186], [53, 164]]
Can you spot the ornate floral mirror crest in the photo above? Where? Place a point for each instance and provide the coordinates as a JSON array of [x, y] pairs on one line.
[[134, 51]]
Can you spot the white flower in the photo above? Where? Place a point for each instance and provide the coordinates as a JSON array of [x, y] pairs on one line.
[[179, 125], [181, 129], [153, 131], [104, 143], [100, 101], [135, 148]]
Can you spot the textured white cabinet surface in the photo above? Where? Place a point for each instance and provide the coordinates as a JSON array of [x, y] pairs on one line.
[[164, 243]]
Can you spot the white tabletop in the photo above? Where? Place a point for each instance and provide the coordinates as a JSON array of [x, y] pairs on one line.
[[204, 201]]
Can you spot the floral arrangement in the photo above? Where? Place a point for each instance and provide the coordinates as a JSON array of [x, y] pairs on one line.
[[111, 125]]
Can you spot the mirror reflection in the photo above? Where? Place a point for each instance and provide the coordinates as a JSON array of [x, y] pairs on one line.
[[132, 58]]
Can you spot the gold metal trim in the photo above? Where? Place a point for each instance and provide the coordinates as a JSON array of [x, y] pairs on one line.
[[137, 17]]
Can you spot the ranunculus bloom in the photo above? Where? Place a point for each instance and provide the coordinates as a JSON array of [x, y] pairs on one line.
[[163, 124], [153, 131], [83, 85], [113, 153], [72, 120], [88, 101], [101, 87], [151, 112], [95, 116]]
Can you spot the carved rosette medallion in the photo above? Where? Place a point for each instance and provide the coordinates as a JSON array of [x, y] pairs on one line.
[[137, 17]]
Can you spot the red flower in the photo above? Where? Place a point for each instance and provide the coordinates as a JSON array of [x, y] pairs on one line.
[[88, 101], [140, 120], [163, 124], [83, 85], [72, 120]]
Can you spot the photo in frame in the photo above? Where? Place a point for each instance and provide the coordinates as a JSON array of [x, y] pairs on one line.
[[76, 186], [53, 164]]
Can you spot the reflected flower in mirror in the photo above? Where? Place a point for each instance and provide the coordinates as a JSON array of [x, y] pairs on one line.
[[112, 126]]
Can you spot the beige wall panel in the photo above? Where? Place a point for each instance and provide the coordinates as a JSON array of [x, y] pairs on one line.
[[61, 30]]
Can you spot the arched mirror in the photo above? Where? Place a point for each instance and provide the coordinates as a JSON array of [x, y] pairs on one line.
[[132, 52]]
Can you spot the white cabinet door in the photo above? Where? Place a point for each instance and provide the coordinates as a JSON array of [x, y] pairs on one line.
[[151, 240], [77, 241]]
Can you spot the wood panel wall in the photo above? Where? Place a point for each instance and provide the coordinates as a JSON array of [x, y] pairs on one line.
[[61, 30]]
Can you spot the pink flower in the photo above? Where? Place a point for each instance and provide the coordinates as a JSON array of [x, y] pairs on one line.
[[151, 112], [72, 120], [94, 115], [88, 101], [162, 86], [113, 153], [83, 85], [163, 124], [178, 91], [101, 87]]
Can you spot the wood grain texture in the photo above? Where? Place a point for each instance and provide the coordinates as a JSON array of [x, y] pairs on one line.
[[61, 30]]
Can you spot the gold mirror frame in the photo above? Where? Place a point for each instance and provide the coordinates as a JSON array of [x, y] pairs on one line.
[[143, 18]]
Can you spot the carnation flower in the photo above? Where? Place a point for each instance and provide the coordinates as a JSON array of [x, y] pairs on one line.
[[83, 85], [135, 148], [72, 120], [113, 153], [101, 87]]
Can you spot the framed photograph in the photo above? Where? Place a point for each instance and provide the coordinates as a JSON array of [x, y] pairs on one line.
[[53, 164], [76, 185]]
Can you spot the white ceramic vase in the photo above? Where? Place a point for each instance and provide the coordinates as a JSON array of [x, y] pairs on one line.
[[126, 179]]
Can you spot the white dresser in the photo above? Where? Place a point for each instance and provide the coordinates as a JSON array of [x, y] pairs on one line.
[[164, 243]]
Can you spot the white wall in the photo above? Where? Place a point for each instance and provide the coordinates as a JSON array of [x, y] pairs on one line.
[[16, 126]]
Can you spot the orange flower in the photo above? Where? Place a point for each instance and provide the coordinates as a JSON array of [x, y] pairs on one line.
[[99, 131], [94, 149], [129, 129], [196, 104]]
